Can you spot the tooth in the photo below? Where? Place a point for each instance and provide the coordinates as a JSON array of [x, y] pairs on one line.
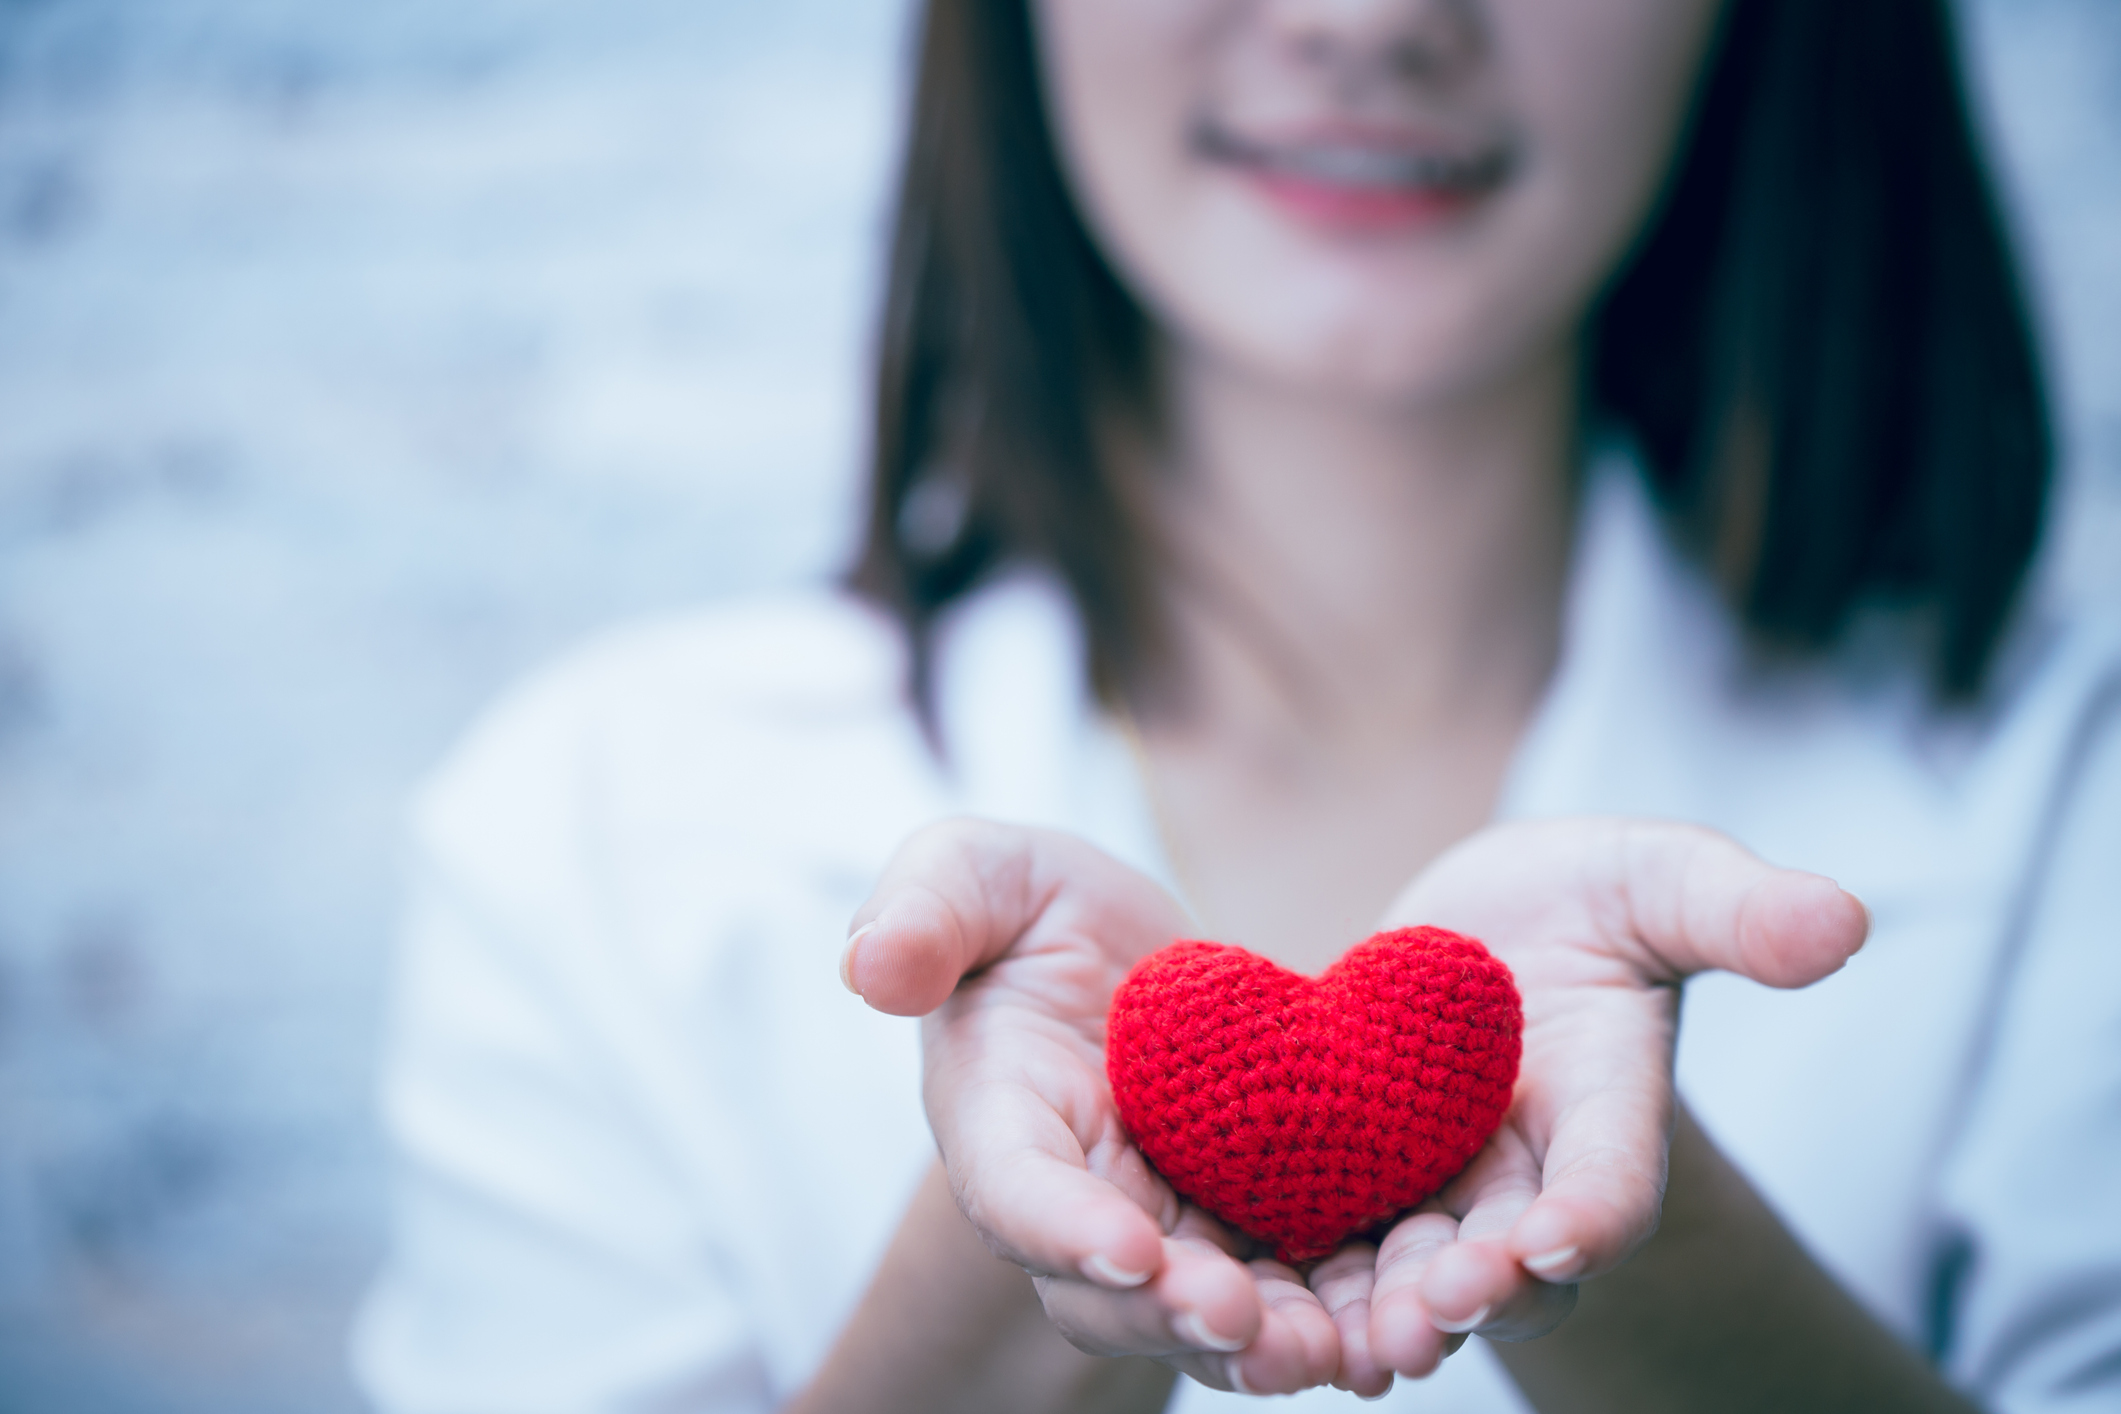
[[1364, 167], [1370, 167]]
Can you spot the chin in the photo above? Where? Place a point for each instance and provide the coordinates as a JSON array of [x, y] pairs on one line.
[[1402, 363]]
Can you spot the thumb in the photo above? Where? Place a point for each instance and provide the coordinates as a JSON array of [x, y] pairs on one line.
[[1701, 901], [960, 894]]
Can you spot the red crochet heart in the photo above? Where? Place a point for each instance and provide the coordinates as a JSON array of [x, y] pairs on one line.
[[1302, 1110]]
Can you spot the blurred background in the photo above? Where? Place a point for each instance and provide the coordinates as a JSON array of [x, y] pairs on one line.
[[353, 359]]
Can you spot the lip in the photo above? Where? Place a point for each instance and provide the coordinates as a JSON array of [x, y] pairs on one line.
[[1363, 181]]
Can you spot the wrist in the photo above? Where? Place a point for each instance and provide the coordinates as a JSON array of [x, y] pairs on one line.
[[1722, 1308], [946, 1325]]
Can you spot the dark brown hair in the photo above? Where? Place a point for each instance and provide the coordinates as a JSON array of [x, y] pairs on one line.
[[1819, 344]]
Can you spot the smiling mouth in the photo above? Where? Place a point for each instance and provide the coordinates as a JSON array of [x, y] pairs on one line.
[[1363, 181]]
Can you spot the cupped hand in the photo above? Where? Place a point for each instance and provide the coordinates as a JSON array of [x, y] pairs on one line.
[[1600, 921], [1010, 942]]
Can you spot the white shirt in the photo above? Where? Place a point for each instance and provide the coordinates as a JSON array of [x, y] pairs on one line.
[[652, 1151]]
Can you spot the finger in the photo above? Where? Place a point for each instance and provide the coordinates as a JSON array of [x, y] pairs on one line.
[[1020, 1180], [1297, 1346], [1202, 1302], [1602, 1187], [1474, 1287], [1403, 1337], [960, 894], [1343, 1283], [1687, 898], [1114, 1159], [1476, 1284], [1199, 1225], [1701, 901], [1253, 1328], [953, 897]]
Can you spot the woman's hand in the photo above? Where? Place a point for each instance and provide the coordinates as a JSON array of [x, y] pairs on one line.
[[1600, 920], [1010, 943]]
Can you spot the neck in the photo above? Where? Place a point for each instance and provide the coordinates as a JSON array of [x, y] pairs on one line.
[[1351, 572]]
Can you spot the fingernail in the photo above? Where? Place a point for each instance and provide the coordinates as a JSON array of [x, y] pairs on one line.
[[1106, 1272], [1557, 1265], [1471, 1322], [1234, 1372], [1193, 1330], [847, 957]]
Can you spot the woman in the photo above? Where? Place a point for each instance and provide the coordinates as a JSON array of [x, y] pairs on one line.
[[1307, 432]]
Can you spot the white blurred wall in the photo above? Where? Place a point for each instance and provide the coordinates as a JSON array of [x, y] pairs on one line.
[[353, 358]]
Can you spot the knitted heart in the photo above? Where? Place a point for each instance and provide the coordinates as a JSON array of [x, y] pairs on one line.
[[1302, 1110]]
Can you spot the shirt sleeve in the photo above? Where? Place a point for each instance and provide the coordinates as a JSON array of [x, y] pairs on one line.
[[550, 1254], [2030, 1300]]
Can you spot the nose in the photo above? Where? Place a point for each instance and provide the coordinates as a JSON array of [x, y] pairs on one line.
[[1357, 42]]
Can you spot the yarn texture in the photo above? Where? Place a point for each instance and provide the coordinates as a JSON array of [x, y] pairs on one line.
[[1304, 1110]]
